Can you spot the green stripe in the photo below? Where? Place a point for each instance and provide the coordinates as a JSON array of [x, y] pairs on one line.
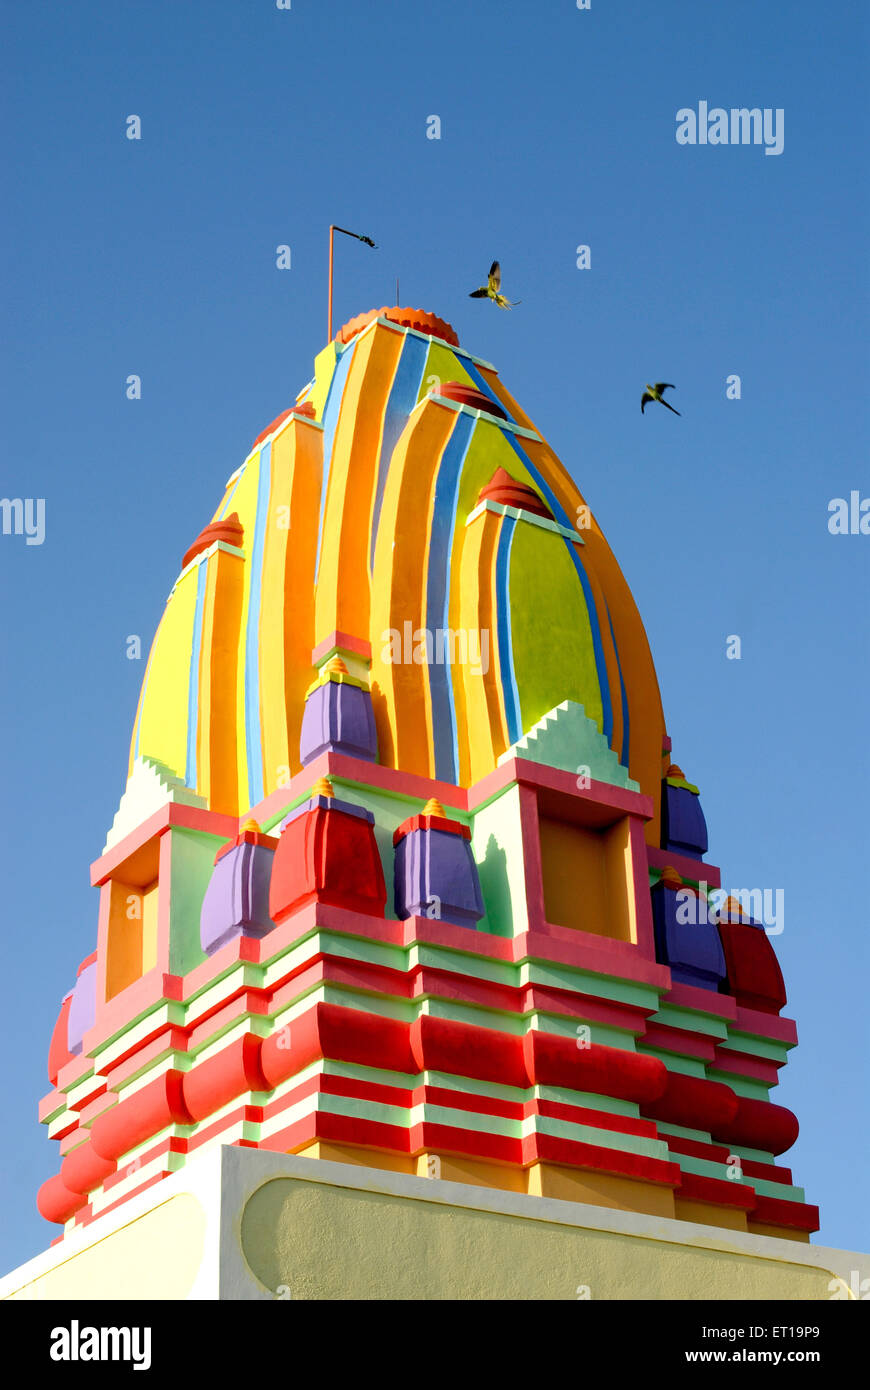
[[758, 1047], [567, 1028], [742, 1085], [601, 1138], [691, 1021], [686, 1066], [597, 986]]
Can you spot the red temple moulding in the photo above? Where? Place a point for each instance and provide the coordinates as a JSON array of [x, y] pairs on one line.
[[173, 1145], [379, 1137], [508, 492], [415, 787], [305, 410], [230, 531], [719, 1153], [466, 395], [336, 641], [777, 1211], [450, 1046], [136, 1192], [236, 1009], [717, 1191], [418, 319], [692, 871], [238, 1068], [252, 1114]]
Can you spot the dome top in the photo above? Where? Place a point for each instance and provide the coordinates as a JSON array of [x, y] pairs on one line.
[[430, 540], [418, 319]]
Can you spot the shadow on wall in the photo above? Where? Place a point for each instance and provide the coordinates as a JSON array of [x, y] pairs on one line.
[[492, 869]]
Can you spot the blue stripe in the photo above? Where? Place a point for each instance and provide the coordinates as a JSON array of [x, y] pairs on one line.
[[438, 595], [252, 636], [193, 676], [400, 402], [483, 385], [226, 507], [624, 754], [562, 516], [505, 647], [331, 412]]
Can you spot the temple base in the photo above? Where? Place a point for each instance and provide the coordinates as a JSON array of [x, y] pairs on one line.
[[243, 1224]]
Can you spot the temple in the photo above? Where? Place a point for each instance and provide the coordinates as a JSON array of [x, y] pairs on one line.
[[400, 876]]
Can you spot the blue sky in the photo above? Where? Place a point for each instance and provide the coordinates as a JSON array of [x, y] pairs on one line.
[[157, 257]]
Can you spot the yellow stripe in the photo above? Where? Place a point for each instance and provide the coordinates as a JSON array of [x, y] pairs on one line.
[[483, 733], [342, 600], [217, 764], [399, 588], [164, 714], [245, 503]]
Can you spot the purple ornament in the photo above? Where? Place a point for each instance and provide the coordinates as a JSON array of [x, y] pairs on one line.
[[691, 948], [435, 873], [236, 901], [338, 717], [82, 1009], [684, 829]]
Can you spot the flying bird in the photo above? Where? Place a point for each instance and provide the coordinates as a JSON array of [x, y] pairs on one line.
[[654, 393], [491, 290]]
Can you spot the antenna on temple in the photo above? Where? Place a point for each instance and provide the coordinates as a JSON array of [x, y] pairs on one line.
[[358, 237]]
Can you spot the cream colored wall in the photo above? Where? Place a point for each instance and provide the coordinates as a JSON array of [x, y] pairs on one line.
[[241, 1224], [156, 1256], [321, 1242]]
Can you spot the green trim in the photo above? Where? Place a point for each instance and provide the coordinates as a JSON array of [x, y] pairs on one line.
[[579, 981], [477, 1014], [567, 1028], [709, 1168], [742, 1085], [191, 866], [681, 782], [481, 1120], [691, 1021], [402, 1009], [567, 739], [587, 1100], [680, 1132], [686, 1066], [363, 949], [357, 1109], [601, 1138], [754, 1046], [476, 967]]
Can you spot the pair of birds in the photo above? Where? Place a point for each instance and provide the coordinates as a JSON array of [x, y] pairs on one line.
[[492, 290]]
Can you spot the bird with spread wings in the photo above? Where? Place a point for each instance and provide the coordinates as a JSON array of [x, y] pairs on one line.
[[654, 393], [492, 289]]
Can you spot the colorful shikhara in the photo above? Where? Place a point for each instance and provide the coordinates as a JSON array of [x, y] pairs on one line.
[[399, 876]]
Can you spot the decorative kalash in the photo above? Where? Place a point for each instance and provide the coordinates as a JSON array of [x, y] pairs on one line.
[[403, 874]]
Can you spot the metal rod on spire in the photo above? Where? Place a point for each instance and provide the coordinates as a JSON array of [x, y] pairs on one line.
[[357, 235]]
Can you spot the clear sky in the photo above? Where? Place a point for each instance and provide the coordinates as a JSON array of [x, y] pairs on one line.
[[157, 257]]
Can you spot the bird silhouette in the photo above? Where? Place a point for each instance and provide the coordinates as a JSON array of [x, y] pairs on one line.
[[491, 290], [654, 393]]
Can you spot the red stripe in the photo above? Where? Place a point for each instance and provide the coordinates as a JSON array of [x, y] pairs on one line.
[[571, 1153], [132, 1121], [776, 1211], [717, 1190]]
